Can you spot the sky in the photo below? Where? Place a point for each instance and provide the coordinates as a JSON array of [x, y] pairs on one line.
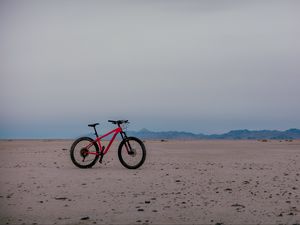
[[206, 66]]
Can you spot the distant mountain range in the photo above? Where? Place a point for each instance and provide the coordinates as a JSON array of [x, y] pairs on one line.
[[232, 135]]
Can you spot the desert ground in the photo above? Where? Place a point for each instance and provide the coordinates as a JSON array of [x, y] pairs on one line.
[[181, 182]]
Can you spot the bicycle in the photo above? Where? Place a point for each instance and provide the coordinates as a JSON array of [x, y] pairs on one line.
[[86, 151]]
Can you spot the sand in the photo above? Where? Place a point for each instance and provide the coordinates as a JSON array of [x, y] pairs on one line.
[[181, 182]]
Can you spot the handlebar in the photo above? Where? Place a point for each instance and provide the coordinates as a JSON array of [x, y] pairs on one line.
[[118, 121]]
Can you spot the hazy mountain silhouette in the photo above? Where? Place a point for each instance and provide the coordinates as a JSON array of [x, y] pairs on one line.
[[232, 135]]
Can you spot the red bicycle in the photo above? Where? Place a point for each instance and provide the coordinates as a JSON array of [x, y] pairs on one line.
[[85, 151]]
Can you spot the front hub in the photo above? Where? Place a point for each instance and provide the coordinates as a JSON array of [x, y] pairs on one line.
[[132, 152]]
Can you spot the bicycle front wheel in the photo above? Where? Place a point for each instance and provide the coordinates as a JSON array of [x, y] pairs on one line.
[[132, 153], [84, 152]]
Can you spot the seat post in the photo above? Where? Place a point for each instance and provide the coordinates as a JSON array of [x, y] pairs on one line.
[[95, 131]]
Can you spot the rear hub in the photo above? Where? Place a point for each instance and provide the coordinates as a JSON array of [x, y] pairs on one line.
[[84, 152]]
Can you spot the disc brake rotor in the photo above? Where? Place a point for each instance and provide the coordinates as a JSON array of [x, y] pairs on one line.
[[132, 153]]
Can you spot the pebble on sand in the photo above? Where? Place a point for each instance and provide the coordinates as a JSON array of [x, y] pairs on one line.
[[85, 218]]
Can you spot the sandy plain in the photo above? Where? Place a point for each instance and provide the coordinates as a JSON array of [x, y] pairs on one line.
[[181, 182]]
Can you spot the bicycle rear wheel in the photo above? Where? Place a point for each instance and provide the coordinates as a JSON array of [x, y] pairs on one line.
[[84, 152], [132, 153]]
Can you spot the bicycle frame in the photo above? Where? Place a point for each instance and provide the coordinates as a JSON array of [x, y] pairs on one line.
[[98, 141]]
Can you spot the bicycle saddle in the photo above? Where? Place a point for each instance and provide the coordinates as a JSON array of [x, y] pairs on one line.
[[93, 124]]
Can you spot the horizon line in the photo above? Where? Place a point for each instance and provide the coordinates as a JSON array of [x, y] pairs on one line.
[[137, 131]]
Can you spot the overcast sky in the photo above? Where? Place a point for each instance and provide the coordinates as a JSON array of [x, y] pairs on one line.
[[201, 66]]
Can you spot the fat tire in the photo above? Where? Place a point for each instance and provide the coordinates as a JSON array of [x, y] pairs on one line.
[[72, 153], [143, 152]]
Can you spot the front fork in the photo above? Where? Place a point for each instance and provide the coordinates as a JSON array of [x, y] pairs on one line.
[[126, 143]]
